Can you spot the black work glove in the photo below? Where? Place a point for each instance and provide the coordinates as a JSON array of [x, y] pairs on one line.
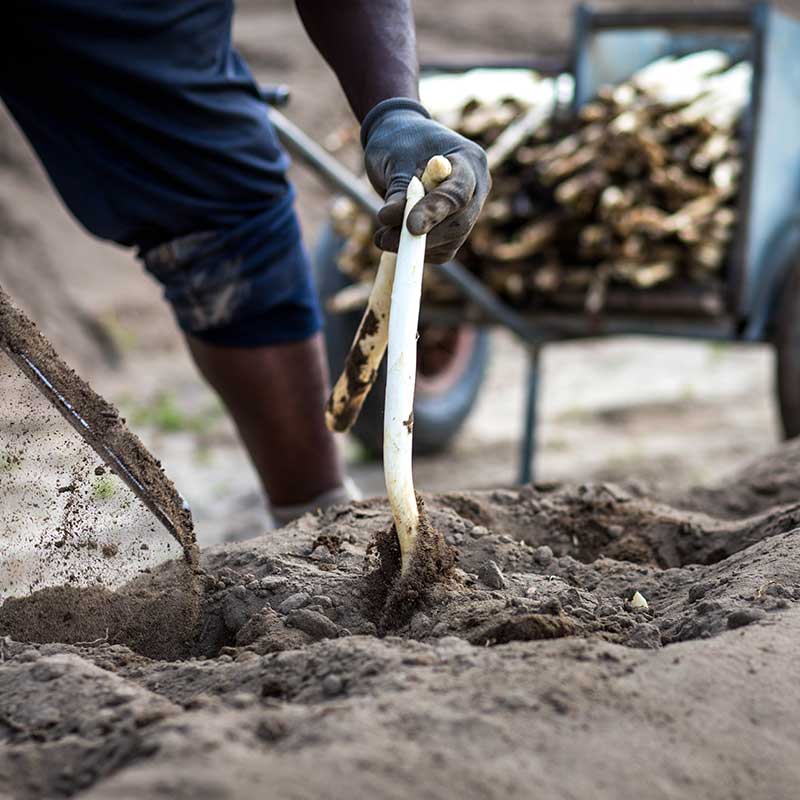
[[399, 137]]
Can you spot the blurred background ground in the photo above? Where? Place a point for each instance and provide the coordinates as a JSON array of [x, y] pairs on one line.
[[673, 412]]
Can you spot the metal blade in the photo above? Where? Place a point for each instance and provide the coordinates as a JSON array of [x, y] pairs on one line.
[[96, 421]]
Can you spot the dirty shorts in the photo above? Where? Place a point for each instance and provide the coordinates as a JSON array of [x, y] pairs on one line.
[[152, 129], [246, 286]]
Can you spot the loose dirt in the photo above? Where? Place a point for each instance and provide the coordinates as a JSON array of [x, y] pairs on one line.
[[528, 673]]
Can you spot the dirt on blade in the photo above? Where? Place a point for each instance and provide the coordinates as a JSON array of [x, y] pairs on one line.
[[31, 351]]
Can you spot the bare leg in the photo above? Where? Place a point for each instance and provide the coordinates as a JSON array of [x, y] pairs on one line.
[[276, 396]]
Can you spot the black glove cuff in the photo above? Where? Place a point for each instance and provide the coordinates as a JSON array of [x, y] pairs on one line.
[[384, 107]]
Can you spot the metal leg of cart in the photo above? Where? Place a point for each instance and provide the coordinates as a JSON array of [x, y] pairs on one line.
[[527, 467]]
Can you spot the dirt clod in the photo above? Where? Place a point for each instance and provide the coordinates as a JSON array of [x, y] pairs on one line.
[[491, 575]]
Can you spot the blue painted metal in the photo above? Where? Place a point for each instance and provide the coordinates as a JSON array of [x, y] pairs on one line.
[[527, 465], [773, 195], [780, 254]]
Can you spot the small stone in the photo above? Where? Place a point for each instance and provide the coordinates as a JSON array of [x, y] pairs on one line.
[[246, 655], [491, 575], [236, 610], [645, 636], [273, 583], [506, 539], [313, 623], [708, 607], [615, 531], [478, 531], [638, 601], [744, 616], [551, 606], [239, 591], [332, 685], [440, 629], [224, 659], [531, 591], [321, 553], [294, 601], [698, 592], [543, 555], [322, 600]]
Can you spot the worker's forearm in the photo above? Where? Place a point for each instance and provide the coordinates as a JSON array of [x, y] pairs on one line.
[[370, 44]]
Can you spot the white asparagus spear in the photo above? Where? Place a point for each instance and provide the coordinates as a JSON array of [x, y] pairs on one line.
[[369, 345], [398, 424]]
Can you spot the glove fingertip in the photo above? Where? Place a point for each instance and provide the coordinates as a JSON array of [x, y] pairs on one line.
[[391, 215], [421, 220]]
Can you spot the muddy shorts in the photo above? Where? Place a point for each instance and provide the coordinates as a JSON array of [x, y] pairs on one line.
[[152, 129]]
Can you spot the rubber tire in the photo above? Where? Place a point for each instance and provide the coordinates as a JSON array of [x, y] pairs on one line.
[[787, 343], [437, 418]]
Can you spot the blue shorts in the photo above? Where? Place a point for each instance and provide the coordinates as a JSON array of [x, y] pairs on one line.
[[152, 129]]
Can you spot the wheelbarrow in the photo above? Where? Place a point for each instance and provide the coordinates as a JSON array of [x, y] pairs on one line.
[[757, 301]]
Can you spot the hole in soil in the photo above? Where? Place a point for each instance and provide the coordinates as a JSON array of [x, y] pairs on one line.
[[157, 615]]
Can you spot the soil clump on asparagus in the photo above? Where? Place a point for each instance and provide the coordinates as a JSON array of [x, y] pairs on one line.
[[396, 596], [531, 659]]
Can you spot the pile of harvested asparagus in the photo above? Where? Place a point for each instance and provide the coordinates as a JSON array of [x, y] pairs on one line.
[[639, 190]]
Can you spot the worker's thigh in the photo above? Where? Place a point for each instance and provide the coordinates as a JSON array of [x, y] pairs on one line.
[[152, 129]]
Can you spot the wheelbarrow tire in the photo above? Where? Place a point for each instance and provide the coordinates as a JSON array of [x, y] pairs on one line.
[[440, 407], [787, 343]]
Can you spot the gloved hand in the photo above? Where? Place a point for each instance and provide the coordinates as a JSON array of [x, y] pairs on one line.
[[399, 137]]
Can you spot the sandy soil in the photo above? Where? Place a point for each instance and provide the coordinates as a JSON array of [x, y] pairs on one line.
[[530, 671]]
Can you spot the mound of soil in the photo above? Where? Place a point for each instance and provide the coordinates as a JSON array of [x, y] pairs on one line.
[[529, 673]]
